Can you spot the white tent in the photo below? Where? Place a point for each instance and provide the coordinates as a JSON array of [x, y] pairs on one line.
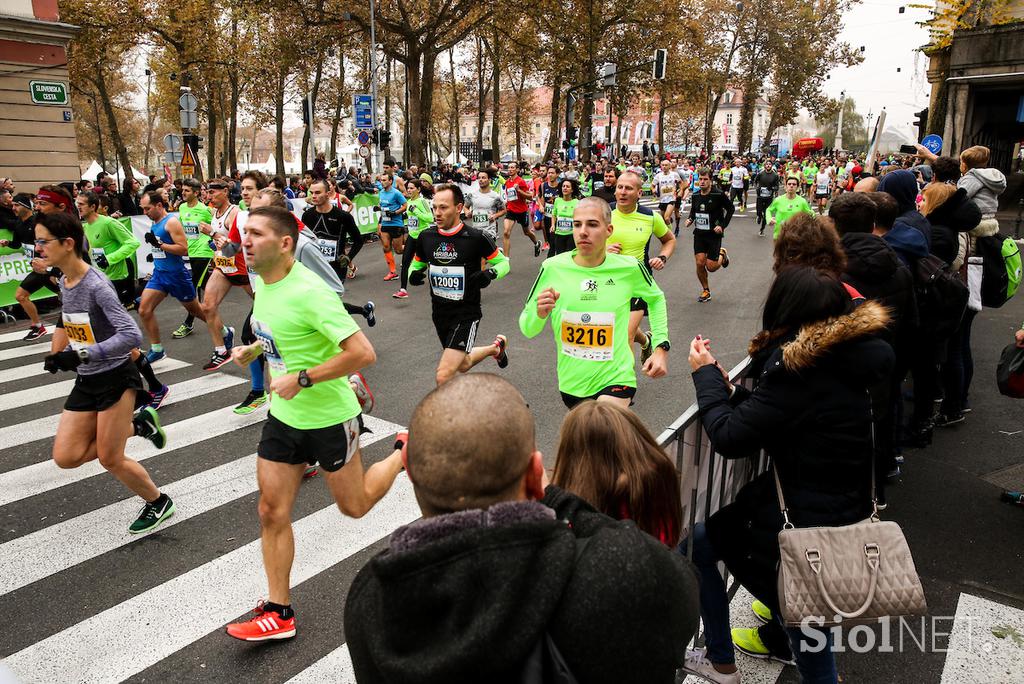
[[526, 153], [94, 170], [455, 158]]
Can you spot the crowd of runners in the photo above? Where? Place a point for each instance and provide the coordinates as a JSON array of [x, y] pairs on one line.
[[450, 230]]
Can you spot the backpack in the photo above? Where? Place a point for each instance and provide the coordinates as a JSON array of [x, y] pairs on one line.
[[941, 297], [1001, 268]]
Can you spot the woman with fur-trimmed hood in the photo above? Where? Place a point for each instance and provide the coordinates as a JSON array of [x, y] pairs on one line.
[[811, 412]]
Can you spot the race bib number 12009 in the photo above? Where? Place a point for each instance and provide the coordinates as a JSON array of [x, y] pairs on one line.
[[448, 282]]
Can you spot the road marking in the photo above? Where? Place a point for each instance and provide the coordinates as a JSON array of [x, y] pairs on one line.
[[52, 390], [985, 644], [39, 347], [34, 369], [334, 667], [210, 595], [46, 427], [56, 548], [37, 478], [19, 335]]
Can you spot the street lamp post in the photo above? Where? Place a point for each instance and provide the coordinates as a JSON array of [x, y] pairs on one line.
[[373, 76], [839, 124]]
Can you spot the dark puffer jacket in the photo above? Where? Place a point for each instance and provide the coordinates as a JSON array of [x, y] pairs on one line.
[[465, 597], [954, 216], [874, 269], [811, 413]]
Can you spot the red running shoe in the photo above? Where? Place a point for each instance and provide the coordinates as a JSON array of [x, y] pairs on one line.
[[263, 626]]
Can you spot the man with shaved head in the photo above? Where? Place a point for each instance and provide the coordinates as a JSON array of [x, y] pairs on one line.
[[503, 574]]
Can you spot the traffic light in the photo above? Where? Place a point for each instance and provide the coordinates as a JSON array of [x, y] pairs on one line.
[[384, 138], [921, 123], [307, 109], [199, 141], [373, 136], [608, 71], [194, 141], [660, 58]]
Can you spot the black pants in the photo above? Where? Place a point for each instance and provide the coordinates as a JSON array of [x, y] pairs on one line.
[[561, 243], [407, 255], [958, 368], [762, 206], [125, 288]]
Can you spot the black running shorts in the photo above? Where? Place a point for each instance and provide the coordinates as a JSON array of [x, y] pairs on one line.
[[331, 446], [519, 217], [617, 391], [707, 242], [101, 391], [34, 282], [457, 334]]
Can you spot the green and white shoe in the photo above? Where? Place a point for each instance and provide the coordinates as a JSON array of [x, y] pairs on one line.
[[253, 401], [152, 515], [147, 426], [763, 612], [748, 641], [182, 331]]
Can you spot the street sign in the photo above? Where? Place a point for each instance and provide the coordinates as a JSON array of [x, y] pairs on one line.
[[364, 152], [188, 161], [48, 92], [188, 102], [933, 143], [173, 157], [363, 138], [189, 120], [362, 108], [172, 142]]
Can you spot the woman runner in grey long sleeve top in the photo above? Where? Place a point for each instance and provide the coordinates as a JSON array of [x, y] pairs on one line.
[[97, 418]]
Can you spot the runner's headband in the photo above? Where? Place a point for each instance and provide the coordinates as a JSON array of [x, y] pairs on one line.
[[54, 198]]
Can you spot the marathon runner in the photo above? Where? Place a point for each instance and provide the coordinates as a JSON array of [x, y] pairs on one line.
[[111, 246], [686, 178], [562, 210], [822, 187], [607, 189], [810, 170], [587, 294], [666, 188], [192, 213], [451, 253], [485, 205], [229, 268], [516, 195], [391, 226], [333, 228], [548, 191], [738, 177], [419, 192], [51, 199], [168, 245], [311, 345], [710, 214], [633, 227], [97, 418], [766, 185], [787, 205]]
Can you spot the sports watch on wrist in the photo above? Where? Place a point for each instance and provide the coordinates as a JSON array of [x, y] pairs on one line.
[[304, 380], [83, 355], [665, 345]]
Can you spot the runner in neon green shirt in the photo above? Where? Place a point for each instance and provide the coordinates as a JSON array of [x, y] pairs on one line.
[[311, 345], [632, 228], [784, 206], [810, 171], [419, 217], [192, 213], [561, 218], [111, 244], [587, 293]]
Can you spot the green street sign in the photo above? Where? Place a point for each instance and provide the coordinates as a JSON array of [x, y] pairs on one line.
[[48, 92]]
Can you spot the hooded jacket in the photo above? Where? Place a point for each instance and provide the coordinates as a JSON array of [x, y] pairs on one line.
[[903, 187], [984, 187], [811, 413], [875, 270], [956, 215], [465, 597]]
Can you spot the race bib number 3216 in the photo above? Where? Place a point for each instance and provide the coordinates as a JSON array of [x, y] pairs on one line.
[[588, 336]]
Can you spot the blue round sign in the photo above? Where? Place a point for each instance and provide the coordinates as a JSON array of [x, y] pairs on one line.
[[932, 143], [363, 137]]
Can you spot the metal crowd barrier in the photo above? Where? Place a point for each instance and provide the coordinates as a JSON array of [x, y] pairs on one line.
[[707, 481]]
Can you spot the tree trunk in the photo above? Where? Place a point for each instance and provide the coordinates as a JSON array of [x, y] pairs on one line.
[[481, 105], [554, 125], [231, 115], [418, 108], [661, 126], [336, 119], [455, 102], [211, 132], [519, 130], [495, 97], [426, 106], [115, 134], [149, 124], [586, 133], [310, 132], [282, 74], [618, 136], [745, 130]]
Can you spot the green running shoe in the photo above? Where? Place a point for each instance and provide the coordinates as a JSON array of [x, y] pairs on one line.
[[152, 515], [182, 331], [763, 612], [253, 401], [147, 426], [748, 641]]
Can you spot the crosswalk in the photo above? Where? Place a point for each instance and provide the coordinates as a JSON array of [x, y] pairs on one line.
[[88, 602]]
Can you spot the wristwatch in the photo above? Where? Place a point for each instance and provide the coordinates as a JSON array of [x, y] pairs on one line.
[[83, 355], [304, 380], [664, 259], [665, 345]]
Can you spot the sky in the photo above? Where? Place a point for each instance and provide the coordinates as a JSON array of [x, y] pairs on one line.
[[890, 42]]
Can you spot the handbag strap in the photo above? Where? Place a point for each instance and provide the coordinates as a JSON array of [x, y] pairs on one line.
[[787, 525]]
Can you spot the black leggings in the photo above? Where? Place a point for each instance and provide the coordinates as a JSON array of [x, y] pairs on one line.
[[407, 255], [561, 243]]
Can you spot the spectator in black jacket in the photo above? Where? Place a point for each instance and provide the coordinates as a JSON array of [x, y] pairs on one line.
[[812, 414], [903, 188], [499, 568], [130, 197]]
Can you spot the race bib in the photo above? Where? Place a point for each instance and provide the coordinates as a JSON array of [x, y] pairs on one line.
[[481, 220], [413, 223], [547, 209], [563, 225], [702, 221], [270, 351], [510, 194], [191, 230], [588, 336], [823, 187], [97, 253], [225, 264], [158, 253], [598, 185], [329, 248], [765, 192], [30, 251], [78, 329], [668, 194], [448, 282]]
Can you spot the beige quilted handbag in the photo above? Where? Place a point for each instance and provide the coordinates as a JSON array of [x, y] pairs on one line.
[[848, 575]]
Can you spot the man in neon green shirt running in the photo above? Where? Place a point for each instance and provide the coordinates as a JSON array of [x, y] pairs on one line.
[[312, 345], [111, 245], [784, 206], [587, 293], [192, 213]]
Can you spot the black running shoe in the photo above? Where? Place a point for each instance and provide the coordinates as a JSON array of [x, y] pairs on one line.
[[371, 319], [147, 426], [501, 342], [536, 249]]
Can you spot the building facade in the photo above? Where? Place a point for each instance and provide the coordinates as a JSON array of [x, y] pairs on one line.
[[37, 130]]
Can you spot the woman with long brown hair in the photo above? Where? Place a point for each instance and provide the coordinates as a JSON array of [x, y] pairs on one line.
[[609, 458]]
